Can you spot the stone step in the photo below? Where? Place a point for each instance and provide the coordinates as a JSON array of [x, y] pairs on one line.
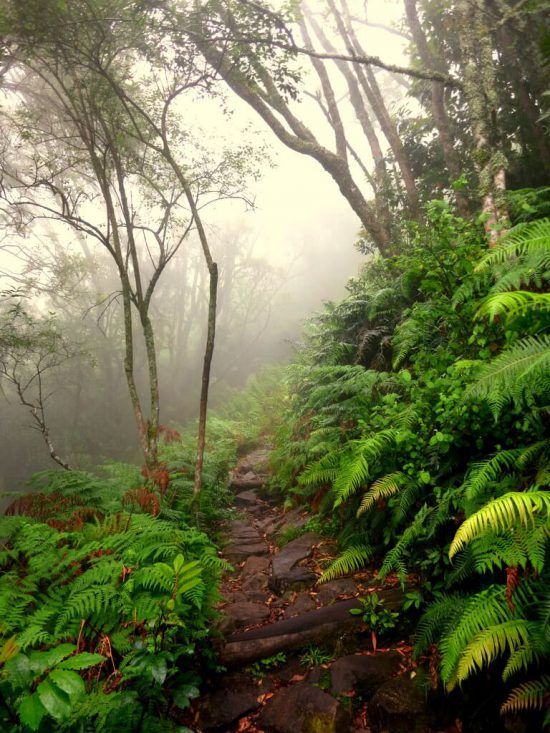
[[312, 627]]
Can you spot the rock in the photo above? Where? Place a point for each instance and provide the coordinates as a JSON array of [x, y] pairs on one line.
[[330, 592], [321, 626], [363, 674], [304, 708], [295, 551], [242, 550], [255, 565], [246, 498], [296, 579], [398, 706], [234, 696], [303, 603], [243, 613], [293, 519], [257, 582], [249, 596], [284, 574], [270, 524]]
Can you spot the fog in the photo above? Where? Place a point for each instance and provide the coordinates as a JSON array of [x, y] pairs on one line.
[[284, 245], [280, 260]]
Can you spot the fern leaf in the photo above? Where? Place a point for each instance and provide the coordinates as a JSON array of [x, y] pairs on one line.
[[528, 696], [513, 303], [490, 643], [382, 488], [505, 512], [358, 461], [352, 559]]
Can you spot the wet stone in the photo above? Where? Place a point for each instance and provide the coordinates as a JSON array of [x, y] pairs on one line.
[[363, 674], [243, 613], [302, 604], [234, 696], [330, 592], [296, 579], [399, 706], [246, 499], [255, 565], [304, 708], [241, 551]]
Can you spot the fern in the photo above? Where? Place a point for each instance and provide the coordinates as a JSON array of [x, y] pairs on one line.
[[394, 558], [357, 462], [490, 643], [481, 611], [505, 512], [440, 616], [528, 696], [352, 559], [520, 371], [382, 488], [514, 303], [521, 241]]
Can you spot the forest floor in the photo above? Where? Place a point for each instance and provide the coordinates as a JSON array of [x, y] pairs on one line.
[[295, 659]]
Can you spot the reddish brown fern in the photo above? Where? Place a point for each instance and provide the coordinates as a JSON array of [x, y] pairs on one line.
[[143, 498]]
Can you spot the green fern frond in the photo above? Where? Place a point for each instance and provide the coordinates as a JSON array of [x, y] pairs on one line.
[[520, 369], [439, 617], [325, 470], [491, 643], [481, 611], [528, 696], [357, 461], [513, 303], [505, 512], [483, 473], [352, 559], [382, 488], [394, 558], [521, 241]]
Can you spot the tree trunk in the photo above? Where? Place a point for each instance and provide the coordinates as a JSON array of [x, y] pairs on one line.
[[381, 179], [299, 138], [205, 384], [368, 82], [481, 96], [439, 114]]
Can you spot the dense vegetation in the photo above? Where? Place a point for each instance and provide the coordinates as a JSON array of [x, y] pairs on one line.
[[419, 410], [109, 582], [413, 421]]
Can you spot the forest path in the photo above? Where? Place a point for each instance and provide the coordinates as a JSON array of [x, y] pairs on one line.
[[273, 607]]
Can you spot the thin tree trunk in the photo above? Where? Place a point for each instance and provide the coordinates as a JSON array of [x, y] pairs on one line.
[[439, 112], [212, 310], [481, 96], [332, 107], [205, 383], [368, 82], [381, 179], [39, 417]]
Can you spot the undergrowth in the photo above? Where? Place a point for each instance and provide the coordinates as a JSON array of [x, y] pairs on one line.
[[418, 421], [109, 582]]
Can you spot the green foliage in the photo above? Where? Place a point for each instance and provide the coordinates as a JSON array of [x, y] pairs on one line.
[[503, 514], [429, 474], [352, 559], [262, 666], [315, 656], [375, 615]]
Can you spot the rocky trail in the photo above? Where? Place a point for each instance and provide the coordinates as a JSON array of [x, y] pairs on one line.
[[296, 660]]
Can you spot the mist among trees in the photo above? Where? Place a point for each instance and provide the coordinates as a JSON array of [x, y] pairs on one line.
[[274, 365]]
